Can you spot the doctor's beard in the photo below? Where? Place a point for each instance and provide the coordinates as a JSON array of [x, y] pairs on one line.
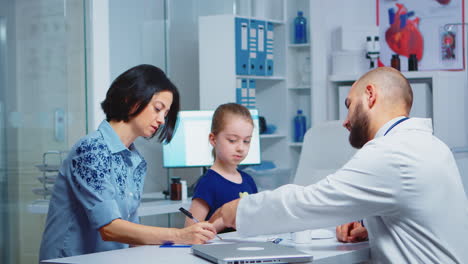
[[359, 133]]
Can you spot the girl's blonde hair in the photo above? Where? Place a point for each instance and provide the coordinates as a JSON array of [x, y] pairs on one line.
[[219, 117]]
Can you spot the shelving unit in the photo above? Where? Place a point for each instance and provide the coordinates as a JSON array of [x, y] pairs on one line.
[[218, 78], [277, 97], [298, 81]]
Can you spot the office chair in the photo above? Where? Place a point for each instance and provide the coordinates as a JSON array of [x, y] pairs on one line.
[[325, 149]]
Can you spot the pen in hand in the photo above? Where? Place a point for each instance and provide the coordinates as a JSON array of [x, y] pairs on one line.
[[189, 215]]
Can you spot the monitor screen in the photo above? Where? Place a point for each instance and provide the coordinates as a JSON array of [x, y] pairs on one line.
[[190, 146]]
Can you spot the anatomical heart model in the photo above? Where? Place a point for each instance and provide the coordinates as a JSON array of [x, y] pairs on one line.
[[403, 35]]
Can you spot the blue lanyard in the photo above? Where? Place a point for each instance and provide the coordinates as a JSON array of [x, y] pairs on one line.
[[395, 124]]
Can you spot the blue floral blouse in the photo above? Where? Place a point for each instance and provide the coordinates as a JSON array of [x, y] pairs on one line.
[[101, 180]]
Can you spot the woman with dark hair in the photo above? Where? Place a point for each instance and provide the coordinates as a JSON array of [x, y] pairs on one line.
[[98, 189]]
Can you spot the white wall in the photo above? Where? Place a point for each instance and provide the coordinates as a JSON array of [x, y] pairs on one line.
[[97, 45], [326, 19], [137, 36], [462, 158]]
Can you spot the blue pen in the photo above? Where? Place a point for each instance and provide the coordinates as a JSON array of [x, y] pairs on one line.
[[171, 245], [277, 241], [189, 215]]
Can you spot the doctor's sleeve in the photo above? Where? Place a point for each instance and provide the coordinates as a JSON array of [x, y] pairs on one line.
[[91, 183], [365, 186]]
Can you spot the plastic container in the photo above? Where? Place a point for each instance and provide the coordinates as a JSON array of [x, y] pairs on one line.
[[412, 63], [395, 62], [299, 126], [176, 189], [376, 44], [184, 190], [300, 28]]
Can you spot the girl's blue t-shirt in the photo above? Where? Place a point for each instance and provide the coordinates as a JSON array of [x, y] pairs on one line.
[[215, 190]]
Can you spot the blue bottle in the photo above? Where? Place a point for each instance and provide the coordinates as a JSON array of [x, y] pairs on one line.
[[300, 28], [299, 126]]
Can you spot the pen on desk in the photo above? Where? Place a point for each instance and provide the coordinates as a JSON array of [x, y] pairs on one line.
[[277, 240], [189, 215], [170, 245]]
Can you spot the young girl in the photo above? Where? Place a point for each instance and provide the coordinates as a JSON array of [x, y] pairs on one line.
[[231, 132]]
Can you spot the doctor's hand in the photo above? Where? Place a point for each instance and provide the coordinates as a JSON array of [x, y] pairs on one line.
[[225, 216], [198, 233], [351, 232]]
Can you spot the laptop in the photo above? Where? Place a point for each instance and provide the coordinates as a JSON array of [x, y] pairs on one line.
[[247, 253]]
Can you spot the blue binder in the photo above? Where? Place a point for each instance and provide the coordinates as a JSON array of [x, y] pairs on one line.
[[242, 92], [251, 95], [242, 46], [261, 48], [253, 46], [269, 48]]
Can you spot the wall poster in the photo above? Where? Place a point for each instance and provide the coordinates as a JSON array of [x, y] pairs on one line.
[[418, 27]]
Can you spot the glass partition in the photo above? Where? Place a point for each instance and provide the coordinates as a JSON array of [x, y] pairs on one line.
[[42, 110]]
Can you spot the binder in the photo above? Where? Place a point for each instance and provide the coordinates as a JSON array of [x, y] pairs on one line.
[[242, 92], [261, 48], [253, 44], [251, 95], [242, 45], [269, 48]]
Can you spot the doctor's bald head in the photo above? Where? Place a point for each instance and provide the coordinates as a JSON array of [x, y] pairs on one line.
[[377, 97], [395, 88]]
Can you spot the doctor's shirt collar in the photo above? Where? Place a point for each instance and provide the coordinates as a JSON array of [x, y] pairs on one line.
[[387, 125]]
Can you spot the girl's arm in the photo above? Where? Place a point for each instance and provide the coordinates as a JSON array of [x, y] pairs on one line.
[[199, 210], [130, 233]]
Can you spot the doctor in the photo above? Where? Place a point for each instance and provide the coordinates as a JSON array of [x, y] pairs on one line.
[[403, 181]]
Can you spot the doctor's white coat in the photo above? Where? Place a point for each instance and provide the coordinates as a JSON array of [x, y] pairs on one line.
[[405, 184]]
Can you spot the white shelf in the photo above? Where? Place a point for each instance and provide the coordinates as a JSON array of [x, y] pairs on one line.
[[299, 46], [259, 77], [299, 88], [271, 136], [274, 21], [407, 74], [295, 144]]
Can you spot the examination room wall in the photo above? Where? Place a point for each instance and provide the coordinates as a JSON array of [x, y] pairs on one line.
[[42, 69], [42, 108]]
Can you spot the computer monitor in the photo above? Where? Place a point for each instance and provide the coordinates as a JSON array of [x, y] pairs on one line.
[[190, 146]]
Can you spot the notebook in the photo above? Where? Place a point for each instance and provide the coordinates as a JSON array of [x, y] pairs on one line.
[[256, 252]]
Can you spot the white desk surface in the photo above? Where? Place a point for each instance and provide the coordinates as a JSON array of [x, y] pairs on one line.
[[324, 251]]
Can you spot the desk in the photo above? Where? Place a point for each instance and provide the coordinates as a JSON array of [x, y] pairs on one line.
[[324, 251], [148, 206]]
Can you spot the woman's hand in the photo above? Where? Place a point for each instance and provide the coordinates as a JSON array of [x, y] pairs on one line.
[[198, 233], [351, 232]]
